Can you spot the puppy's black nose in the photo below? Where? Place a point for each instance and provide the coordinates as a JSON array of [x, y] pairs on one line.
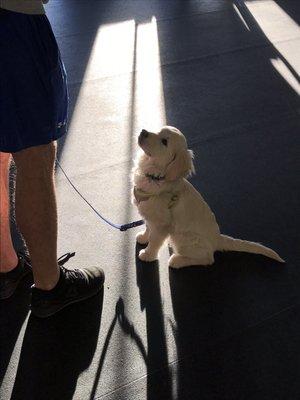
[[144, 133]]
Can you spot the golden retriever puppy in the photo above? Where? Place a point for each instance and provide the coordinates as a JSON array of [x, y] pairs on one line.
[[173, 209]]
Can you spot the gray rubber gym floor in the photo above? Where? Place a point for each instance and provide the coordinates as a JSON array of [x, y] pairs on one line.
[[227, 74]]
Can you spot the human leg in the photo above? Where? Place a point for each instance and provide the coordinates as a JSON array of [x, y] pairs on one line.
[[36, 211], [8, 255]]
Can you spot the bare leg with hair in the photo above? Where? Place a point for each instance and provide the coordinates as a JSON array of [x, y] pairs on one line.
[[8, 256], [36, 211], [56, 287]]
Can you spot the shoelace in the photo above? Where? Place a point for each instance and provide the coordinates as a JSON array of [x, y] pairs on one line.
[[64, 258], [72, 273]]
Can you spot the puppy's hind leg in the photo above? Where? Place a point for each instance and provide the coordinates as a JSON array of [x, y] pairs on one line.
[[177, 261], [143, 237], [156, 239]]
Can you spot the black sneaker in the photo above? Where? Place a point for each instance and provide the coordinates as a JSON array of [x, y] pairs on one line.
[[74, 285], [9, 280]]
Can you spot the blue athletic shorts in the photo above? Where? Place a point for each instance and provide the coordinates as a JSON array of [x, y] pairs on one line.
[[33, 86]]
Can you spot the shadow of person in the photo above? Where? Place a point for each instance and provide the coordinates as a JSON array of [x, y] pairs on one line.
[[13, 313], [56, 350], [158, 385]]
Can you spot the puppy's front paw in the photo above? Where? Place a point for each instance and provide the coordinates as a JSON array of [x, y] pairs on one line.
[[142, 238], [144, 255]]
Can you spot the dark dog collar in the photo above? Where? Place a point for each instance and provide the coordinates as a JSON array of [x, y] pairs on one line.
[[155, 177]]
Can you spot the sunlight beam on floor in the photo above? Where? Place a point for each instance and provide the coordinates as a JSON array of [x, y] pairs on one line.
[[284, 71], [284, 33], [123, 78], [104, 98], [101, 103], [150, 112]]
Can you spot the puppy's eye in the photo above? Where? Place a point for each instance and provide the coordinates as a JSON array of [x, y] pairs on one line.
[[164, 142]]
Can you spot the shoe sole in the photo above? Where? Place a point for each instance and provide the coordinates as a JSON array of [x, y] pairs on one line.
[[49, 314]]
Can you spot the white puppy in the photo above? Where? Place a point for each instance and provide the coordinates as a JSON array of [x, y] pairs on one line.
[[173, 209]]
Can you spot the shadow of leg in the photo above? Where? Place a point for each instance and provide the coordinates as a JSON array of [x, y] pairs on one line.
[[158, 385], [56, 350], [13, 312]]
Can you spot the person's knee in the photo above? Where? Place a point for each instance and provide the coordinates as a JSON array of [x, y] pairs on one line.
[[36, 161]]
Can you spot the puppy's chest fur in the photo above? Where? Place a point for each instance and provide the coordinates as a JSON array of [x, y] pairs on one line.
[[155, 200]]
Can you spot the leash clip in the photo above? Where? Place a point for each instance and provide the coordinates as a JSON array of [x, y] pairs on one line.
[[124, 227]]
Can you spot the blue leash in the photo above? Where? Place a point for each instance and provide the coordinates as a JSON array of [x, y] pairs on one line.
[[122, 228]]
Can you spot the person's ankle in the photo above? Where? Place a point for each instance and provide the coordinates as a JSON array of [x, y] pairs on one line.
[[8, 264], [48, 284]]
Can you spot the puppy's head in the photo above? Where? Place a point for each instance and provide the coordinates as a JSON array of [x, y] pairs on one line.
[[168, 150]]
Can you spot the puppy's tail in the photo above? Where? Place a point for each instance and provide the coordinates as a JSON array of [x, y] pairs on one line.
[[230, 244]]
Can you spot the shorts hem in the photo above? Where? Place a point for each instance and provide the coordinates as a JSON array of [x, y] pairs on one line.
[[32, 144]]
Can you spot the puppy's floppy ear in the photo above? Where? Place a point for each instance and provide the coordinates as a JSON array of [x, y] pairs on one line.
[[182, 165]]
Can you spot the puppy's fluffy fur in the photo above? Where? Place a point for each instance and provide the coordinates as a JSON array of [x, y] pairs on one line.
[[173, 209]]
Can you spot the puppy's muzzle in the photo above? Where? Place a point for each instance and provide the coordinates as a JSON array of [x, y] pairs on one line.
[[142, 136]]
